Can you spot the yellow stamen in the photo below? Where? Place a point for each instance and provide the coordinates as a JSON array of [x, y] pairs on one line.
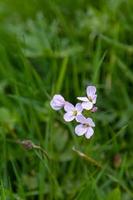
[[75, 112]]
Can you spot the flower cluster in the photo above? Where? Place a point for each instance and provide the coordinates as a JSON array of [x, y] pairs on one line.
[[85, 125]]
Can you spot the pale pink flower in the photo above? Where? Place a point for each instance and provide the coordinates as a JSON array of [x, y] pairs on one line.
[[90, 100], [72, 111], [57, 102], [85, 127]]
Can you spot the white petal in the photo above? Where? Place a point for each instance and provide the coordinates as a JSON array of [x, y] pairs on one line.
[[68, 107], [82, 98], [54, 106], [91, 90], [79, 107], [94, 98], [57, 102], [69, 116], [87, 105], [58, 97], [81, 119], [80, 130], [90, 122], [89, 133]]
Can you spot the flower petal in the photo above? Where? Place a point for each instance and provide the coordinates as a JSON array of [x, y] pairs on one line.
[[82, 98], [57, 102], [90, 122], [80, 130], [81, 119], [89, 133], [58, 97], [94, 98], [79, 107], [91, 90], [69, 116], [87, 105], [68, 107], [54, 105]]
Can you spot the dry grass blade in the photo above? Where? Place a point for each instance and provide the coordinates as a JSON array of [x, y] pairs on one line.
[[86, 157]]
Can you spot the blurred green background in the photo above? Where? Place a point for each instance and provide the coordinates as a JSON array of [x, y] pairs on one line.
[[55, 46]]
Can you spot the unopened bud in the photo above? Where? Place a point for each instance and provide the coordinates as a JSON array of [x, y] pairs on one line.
[[94, 109], [27, 144]]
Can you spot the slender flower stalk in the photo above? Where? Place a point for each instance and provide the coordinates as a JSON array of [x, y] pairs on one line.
[[28, 144]]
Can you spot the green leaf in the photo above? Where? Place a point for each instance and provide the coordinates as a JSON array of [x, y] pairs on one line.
[[7, 119], [114, 194]]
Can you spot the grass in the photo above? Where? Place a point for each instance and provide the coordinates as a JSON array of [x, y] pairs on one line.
[[55, 46]]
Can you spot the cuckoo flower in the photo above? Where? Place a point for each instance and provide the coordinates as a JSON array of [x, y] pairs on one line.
[[90, 100], [72, 111], [85, 127], [57, 102]]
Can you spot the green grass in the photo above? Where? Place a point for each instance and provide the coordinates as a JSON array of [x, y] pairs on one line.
[[49, 47]]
